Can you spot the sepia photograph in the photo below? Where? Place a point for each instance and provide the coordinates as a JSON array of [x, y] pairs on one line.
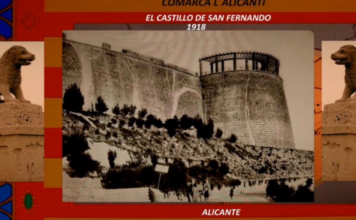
[[188, 117], [21, 111]]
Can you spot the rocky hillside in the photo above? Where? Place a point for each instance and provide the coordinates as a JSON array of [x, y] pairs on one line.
[[245, 162]]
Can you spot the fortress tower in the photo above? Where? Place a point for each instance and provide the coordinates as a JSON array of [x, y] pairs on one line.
[[243, 93]]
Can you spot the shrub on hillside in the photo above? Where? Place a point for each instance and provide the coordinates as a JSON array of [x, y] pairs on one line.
[[148, 124], [205, 131], [148, 176], [176, 176], [304, 193], [92, 109], [212, 186], [218, 133], [121, 178], [235, 183], [116, 110], [140, 123], [82, 164], [73, 100], [125, 110], [186, 122], [142, 113], [280, 192], [262, 170], [230, 148], [85, 127], [233, 138], [158, 123], [208, 131], [150, 120], [111, 157], [108, 135], [100, 105], [198, 122], [132, 110], [202, 163], [74, 143], [213, 164], [131, 122], [224, 169], [113, 121], [122, 123], [197, 171], [154, 159], [171, 125]]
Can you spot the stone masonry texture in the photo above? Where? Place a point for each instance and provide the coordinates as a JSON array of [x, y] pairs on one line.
[[251, 105], [123, 79], [21, 143], [338, 141]]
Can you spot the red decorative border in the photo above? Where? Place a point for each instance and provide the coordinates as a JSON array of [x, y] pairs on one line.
[[49, 204], [49, 201]]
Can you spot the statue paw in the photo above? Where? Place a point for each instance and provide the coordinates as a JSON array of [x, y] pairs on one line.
[[11, 100], [351, 99], [25, 101], [341, 100]]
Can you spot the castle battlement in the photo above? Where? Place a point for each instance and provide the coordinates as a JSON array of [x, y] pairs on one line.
[[253, 60], [155, 61], [143, 57], [133, 54]]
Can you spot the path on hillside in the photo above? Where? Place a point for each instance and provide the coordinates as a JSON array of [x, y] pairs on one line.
[[216, 196], [83, 190], [85, 118], [117, 195]]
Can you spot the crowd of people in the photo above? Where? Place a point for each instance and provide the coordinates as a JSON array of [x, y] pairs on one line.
[[198, 191]]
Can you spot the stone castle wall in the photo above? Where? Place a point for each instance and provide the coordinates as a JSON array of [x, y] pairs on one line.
[[130, 78], [249, 104]]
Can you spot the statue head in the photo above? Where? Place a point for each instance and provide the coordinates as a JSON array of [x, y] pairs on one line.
[[19, 56], [345, 55]]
